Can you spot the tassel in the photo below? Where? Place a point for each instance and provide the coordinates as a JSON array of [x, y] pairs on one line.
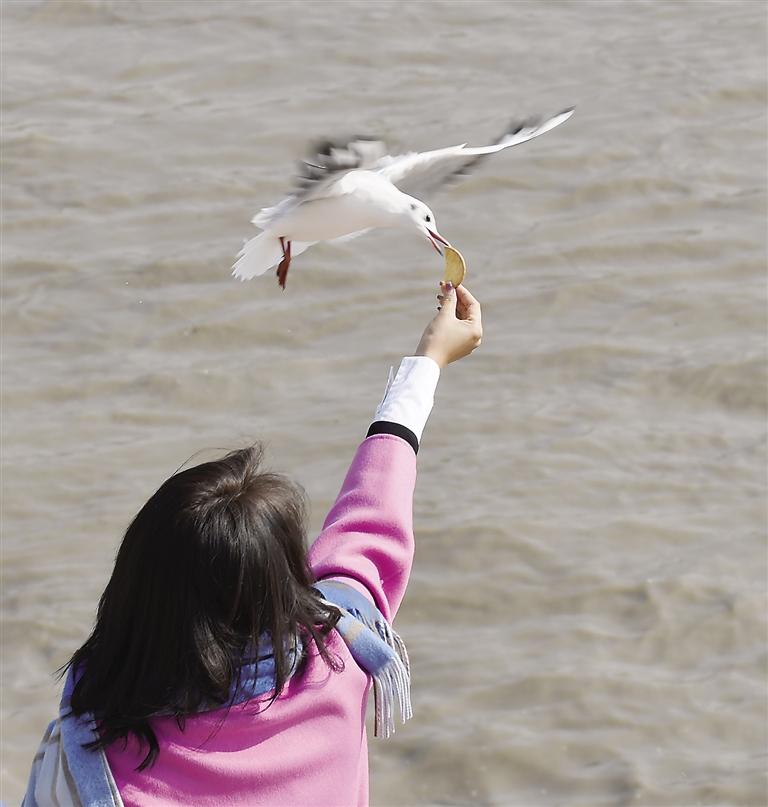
[[389, 667], [391, 684]]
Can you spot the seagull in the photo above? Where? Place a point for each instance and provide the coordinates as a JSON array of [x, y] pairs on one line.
[[349, 186]]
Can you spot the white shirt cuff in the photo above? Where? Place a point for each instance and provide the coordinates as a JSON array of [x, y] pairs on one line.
[[409, 396]]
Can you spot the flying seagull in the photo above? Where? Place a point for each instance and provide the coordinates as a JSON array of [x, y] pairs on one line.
[[350, 186]]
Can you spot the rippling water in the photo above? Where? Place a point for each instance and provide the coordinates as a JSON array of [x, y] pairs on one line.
[[587, 610]]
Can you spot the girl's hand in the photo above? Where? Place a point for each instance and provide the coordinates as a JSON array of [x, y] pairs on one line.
[[456, 330]]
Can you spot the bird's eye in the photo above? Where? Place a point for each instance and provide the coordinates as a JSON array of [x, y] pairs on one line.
[[427, 218], [413, 207]]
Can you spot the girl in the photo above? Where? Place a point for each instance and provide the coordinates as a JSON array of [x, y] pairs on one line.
[[227, 665]]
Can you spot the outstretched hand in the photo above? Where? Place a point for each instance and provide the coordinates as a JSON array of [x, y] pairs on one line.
[[457, 328]]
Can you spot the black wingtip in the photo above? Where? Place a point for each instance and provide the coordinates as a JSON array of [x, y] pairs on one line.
[[516, 125], [325, 146]]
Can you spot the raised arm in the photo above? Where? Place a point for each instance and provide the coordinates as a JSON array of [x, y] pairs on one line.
[[367, 538], [368, 534]]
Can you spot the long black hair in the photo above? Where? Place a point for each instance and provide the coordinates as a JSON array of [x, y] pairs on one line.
[[214, 559]]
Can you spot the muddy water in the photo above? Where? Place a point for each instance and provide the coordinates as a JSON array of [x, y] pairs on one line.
[[587, 611]]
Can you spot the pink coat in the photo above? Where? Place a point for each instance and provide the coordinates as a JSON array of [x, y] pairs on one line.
[[309, 749]]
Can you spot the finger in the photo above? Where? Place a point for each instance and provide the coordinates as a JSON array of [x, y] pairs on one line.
[[470, 306], [447, 299]]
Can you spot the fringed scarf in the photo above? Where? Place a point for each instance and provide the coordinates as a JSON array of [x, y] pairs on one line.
[[376, 647], [65, 773]]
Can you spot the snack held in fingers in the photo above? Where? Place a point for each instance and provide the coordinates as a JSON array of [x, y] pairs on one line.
[[455, 267]]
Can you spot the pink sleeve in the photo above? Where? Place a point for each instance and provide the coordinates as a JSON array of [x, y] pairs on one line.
[[368, 535]]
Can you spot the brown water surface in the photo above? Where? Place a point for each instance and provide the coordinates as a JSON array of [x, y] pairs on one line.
[[587, 611]]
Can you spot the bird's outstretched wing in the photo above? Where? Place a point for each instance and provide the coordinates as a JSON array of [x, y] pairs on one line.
[[321, 173], [420, 172], [329, 160]]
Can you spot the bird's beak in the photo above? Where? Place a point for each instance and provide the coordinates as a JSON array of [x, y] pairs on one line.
[[436, 239]]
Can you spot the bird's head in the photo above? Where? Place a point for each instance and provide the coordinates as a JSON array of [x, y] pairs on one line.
[[417, 215]]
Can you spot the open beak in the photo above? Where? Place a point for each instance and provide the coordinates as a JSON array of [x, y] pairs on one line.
[[436, 240]]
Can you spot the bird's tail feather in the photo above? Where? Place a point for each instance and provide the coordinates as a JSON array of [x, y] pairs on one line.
[[261, 253]]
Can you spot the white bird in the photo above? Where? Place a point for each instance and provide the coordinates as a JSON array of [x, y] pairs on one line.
[[349, 187]]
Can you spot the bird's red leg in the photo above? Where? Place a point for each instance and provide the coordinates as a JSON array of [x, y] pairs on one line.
[[282, 269]]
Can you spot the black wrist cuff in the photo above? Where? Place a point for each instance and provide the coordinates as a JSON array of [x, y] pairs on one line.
[[385, 427]]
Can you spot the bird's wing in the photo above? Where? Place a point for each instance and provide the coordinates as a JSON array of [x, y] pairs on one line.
[[421, 172], [329, 161], [322, 173], [342, 239]]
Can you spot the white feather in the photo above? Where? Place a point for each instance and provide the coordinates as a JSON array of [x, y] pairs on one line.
[[263, 252]]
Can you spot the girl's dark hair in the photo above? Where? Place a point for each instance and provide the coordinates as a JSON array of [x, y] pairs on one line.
[[213, 560]]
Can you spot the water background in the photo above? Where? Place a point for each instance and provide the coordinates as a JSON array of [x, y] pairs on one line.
[[586, 616]]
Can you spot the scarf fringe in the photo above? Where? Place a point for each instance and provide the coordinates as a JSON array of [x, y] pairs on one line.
[[389, 685], [392, 683]]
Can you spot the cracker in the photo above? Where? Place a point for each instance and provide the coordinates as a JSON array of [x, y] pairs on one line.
[[455, 267]]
